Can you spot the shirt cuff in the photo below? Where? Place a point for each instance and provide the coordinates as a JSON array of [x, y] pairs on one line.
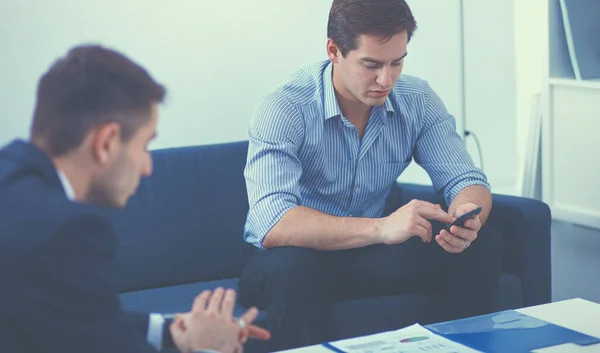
[[456, 189], [155, 330]]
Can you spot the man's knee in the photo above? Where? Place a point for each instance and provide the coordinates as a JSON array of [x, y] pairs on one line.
[[291, 264], [286, 272]]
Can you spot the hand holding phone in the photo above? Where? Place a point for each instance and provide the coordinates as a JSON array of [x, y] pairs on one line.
[[460, 221]]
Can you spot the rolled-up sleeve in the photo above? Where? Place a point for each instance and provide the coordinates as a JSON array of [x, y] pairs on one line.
[[273, 168], [442, 153]]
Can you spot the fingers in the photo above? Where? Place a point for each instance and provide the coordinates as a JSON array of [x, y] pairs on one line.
[[446, 245], [177, 330], [181, 316], [426, 204], [181, 319], [258, 333], [250, 315], [421, 232], [214, 304], [436, 214], [228, 302], [211, 323], [220, 301], [465, 208], [453, 240], [254, 331], [200, 301], [423, 223], [463, 233], [473, 223], [469, 229]]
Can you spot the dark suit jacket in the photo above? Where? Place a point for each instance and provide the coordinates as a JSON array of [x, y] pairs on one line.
[[57, 257]]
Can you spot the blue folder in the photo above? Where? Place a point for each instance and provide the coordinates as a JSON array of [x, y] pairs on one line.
[[508, 331]]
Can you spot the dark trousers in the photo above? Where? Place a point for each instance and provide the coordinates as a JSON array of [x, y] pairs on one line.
[[296, 286]]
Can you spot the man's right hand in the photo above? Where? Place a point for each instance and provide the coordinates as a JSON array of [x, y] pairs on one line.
[[211, 326], [411, 220]]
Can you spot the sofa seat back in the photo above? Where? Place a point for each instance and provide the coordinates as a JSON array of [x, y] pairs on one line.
[[185, 222]]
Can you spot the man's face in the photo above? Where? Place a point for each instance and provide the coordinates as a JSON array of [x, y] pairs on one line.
[[367, 74], [131, 162]]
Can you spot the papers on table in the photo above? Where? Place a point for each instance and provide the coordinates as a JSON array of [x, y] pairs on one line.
[[411, 339]]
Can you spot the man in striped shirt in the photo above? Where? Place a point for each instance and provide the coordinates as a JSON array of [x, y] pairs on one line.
[[325, 151]]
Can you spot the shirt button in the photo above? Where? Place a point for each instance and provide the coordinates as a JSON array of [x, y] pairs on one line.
[[357, 190]]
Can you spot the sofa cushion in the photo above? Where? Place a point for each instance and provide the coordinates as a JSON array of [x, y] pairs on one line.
[[174, 299], [353, 317], [185, 223], [376, 310], [376, 315]]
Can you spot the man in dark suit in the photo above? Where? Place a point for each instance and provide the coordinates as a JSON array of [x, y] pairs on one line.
[[95, 114]]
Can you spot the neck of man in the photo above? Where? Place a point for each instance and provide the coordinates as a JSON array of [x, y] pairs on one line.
[[353, 109], [73, 167], [75, 175]]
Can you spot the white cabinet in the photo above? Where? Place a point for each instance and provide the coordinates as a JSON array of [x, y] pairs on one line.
[[571, 118]]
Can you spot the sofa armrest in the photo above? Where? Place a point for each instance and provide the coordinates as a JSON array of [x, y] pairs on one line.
[[525, 227]]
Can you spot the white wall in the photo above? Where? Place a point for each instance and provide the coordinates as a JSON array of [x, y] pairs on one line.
[[206, 53], [490, 101], [216, 57], [435, 55], [490, 89], [530, 41]]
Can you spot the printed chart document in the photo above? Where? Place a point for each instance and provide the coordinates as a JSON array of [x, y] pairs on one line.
[[412, 339]]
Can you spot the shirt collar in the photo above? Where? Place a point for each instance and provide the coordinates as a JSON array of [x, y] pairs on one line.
[[389, 107], [66, 185], [332, 108]]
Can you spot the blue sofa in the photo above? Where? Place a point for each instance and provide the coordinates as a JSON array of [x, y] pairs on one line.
[[182, 233]]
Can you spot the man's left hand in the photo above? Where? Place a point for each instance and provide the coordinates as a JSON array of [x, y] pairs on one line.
[[459, 238], [248, 331]]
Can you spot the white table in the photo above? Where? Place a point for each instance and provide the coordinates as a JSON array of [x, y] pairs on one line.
[[576, 314]]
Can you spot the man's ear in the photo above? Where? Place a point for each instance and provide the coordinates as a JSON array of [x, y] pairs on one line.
[[106, 141], [333, 52]]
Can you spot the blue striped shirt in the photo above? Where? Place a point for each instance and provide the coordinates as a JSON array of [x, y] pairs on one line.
[[303, 151]]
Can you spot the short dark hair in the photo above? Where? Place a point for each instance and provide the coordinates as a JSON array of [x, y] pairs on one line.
[[349, 19], [91, 85]]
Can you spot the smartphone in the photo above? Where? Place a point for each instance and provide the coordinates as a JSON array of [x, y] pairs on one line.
[[460, 221]]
